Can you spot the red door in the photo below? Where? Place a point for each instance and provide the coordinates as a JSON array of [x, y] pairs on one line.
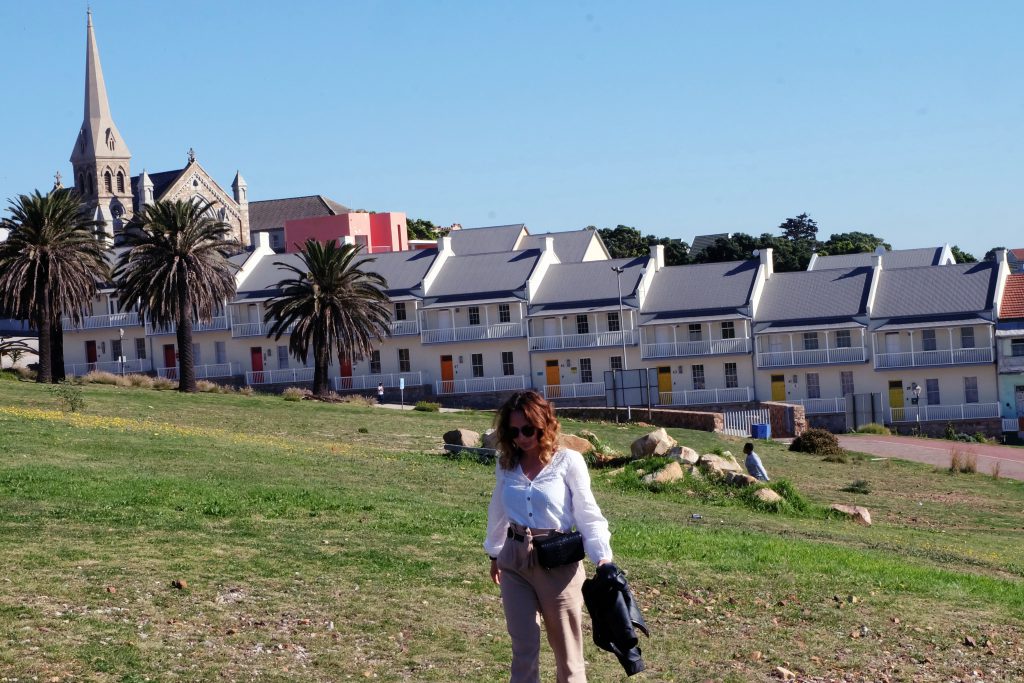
[[90, 355], [345, 381], [170, 362], [256, 356]]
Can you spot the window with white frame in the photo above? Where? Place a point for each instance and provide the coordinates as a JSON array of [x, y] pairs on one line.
[[400, 310], [504, 313], [115, 349], [615, 362], [966, 337], [970, 389], [728, 330], [614, 323], [928, 340], [810, 341], [140, 348], [282, 357], [846, 382], [220, 351], [1017, 347], [403, 361], [508, 366], [695, 332], [813, 385], [586, 372], [697, 375], [477, 363], [474, 315], [582, 324], [843, 339], [732, 378], [931, 387], [375, 362]]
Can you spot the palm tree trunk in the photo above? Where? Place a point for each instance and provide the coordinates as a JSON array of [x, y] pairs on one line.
[[321, 359], [57, 351], [186, 369], [44, 325]]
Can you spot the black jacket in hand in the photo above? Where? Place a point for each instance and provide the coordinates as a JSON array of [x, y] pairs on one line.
[[615, 615]]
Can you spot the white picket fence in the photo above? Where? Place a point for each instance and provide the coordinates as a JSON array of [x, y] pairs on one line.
[[737, 422]]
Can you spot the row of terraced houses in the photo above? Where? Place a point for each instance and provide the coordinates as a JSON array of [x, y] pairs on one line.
[[492, 310]]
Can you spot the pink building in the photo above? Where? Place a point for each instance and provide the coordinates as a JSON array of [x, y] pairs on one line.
[[377, 232]]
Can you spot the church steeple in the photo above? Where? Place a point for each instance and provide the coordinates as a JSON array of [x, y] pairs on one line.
[[101, 159]]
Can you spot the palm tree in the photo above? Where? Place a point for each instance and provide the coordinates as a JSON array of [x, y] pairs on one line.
[[333, 304], [50, 265], [176, 267]]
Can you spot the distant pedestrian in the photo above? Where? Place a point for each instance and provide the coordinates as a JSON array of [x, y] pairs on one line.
[[380, 392], [753, 463]]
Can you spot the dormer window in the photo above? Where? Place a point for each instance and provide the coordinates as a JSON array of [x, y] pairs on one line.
[[110, 140]]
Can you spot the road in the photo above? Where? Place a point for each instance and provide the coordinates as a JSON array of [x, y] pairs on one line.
[[1010, 459]]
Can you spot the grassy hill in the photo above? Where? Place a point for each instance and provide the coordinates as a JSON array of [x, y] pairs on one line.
[[320, 542]]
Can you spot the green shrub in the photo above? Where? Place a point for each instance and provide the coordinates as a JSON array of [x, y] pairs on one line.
[[873, 428], [950, 432], [9, 376], [295, 393], [861, 486], [980, 438], [785, 488], [427, 406], [69, 397], [817, 442], [836, 457], [363, 430]]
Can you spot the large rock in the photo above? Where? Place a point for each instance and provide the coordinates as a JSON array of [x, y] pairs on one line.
[[462, 437], [739, 479], [574, 443], [719, 465], [669, 473], [684, 455], [859, 514], [491, 439], [767, 496], [657, 442]]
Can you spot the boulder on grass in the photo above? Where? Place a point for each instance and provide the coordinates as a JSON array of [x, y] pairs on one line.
[[739, 479], [719, 465], [859, 514], [657, 442], [767, 496], [491, 439], [669, 473], [574, 443], [462, 437], [684, 455]]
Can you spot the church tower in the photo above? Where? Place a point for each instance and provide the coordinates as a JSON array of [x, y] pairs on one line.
[[101, 159]]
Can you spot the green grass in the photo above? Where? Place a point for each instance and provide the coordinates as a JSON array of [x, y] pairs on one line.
[[322, 541]]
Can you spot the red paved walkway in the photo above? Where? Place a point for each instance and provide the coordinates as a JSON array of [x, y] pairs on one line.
[[937, 452]]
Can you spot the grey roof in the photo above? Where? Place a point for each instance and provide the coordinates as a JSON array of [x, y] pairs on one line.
[[272, 213], [702, 242], [161, 181], [486, 240], [897, 258], [593, 283], [826, 296], [482, 276], [936, 290], [570, 246], [712, 287]]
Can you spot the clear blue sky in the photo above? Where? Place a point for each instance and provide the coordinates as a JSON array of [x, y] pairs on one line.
[[905, 119]]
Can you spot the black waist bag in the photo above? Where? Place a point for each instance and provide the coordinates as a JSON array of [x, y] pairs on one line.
[[555, 549]]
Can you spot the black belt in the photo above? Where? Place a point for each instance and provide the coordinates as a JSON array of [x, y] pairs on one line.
[[514, 536]]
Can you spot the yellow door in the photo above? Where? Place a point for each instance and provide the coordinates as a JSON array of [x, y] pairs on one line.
[[896, 399], [778, 387], [665, 386], [553, 378], [447, 375]]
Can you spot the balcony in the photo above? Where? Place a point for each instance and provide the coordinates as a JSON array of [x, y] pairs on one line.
[[821, 406], [390, 381], [480, 385], [709, 347], [255, 329], [473, 333], [96, 322], [285, 376], [403, 327], [116, 367], [964, 411], [584, 341], [913, 359], [218, 323], [582, 390], [695, 397], [202, 371], [843, 354]]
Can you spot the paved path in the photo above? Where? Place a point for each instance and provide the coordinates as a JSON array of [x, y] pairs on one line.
[[937, 452]]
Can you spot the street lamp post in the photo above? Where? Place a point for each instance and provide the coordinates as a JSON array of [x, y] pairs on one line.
[[917, 401], [120, 354], [622, 333]]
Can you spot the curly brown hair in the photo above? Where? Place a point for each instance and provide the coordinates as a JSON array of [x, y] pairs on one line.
[[541, 415]]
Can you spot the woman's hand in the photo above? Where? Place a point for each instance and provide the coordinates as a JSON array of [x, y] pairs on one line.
[[495, 573], [603, 562]]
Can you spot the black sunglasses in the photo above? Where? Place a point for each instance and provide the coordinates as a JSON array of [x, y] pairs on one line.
[[527, 431]]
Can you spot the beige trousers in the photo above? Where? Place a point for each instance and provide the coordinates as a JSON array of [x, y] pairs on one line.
[[529, 592]]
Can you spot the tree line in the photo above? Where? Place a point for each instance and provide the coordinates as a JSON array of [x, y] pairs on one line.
[[175, 271]]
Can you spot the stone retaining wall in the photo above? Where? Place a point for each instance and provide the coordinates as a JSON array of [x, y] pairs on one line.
[[662, 417], [991, 427]]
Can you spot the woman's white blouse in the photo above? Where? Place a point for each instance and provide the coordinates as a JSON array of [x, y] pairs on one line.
[[557, 498]]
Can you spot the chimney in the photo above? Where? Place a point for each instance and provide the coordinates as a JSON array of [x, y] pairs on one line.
[[876, 261], [262, 240], [658, 256], [766, 261], [549, 244], [444, 244]]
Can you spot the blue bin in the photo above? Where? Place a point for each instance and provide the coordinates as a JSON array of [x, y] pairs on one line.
[[761, 431]]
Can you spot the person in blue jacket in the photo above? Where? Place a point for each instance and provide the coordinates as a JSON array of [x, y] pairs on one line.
[[753, 463]]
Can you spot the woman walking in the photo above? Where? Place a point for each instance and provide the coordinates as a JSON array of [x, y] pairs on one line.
[[541, 490]]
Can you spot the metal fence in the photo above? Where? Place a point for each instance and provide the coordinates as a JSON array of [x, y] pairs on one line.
[[737, 422]]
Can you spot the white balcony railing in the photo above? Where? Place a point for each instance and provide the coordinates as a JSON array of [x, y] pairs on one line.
[[582, 390], [818, 406], [403, 327], [844, 354], [95, 322], [909, 359], [584, 341], [255, 329], [284, 376], [116, 367], [389, 380], [480, 385], [964, 411], [1011, 424], [706, 347], [473, 333], [218, 323], [706, 396], [202, 371]]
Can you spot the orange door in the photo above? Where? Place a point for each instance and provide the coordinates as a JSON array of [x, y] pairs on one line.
[[90, 354], [553, 378], [447, 375], [256, 356], [170, 361], [665, 385], [778, 387]]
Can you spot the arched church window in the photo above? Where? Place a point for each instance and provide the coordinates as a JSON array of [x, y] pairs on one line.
[[81, 139], [81, 183], [120, 182], [110, 139], [107, 182], [91, 183]]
